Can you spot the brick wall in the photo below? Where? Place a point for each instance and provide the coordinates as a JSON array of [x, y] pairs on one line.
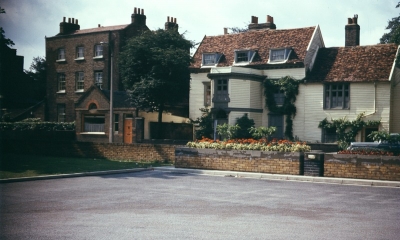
[[115, 151], [362, 167], [236, 160]]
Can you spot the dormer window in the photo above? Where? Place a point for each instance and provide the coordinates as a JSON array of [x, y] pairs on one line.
[[279, 55], [211, 59], [244, 56]]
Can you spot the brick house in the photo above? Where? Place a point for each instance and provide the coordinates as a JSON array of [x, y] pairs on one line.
[[79, 81], [229, 69]]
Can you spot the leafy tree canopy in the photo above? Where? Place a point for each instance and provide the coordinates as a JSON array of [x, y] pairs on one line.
[[3, 40], [37, 72], [154, 68], [393, 36]]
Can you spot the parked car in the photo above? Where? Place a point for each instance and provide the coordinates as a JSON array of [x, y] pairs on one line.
[[384, 145]]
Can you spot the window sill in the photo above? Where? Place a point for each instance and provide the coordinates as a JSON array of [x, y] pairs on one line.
[[80, 91], [61, 91], [79, 59], [241, 63], [61, 60], [98, 57], [93, 133], [277, 62]]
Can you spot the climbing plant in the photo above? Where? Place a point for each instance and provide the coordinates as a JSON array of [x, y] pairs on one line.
[[346, 130], [290, 88]]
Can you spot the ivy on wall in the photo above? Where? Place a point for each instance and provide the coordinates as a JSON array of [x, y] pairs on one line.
[[290, 88], [346, 130]]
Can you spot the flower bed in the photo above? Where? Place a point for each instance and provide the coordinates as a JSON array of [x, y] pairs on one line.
[[251, 144]]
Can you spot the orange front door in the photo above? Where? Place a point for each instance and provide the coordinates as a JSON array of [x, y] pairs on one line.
[[128, 130]]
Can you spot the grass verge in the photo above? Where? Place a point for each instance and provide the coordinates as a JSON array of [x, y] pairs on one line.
[[17, 166]]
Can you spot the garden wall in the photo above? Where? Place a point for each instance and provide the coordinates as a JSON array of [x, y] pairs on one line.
[[239, 160], [115, 151], [362, 166]]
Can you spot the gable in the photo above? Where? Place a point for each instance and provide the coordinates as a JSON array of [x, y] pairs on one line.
[[261, 42], [354, 64], [93, 95]]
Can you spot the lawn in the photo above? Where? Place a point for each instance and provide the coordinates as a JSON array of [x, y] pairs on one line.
[[17, 166]]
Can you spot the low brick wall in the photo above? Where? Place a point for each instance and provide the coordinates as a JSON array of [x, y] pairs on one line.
[[115, 151], [238, 160], [362, 167]]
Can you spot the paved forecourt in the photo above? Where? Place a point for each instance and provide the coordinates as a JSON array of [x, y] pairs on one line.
[[180, 205]]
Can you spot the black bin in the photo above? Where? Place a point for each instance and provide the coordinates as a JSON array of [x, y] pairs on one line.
[[314, 164]]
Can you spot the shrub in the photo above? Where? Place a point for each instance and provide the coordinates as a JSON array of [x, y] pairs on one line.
[[41, 126], [245, 124], [251, 144], [205, 124]]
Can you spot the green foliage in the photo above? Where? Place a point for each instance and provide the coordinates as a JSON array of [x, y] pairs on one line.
[[384, 136], [154, 68], [393, 36], [38, 72], [205, 124], [37, 125], [245, 124], [3, 40], [262, 132], [290, 87], [227, 130], [347, 130]]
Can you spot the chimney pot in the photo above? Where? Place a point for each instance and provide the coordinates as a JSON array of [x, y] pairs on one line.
[[76, 22], [98, 25], [63, 19], [142, 11], [73, 20], [254, 19], [174, 20], [225, 31], [69, 20], [349, 21], [135, 10], [167, 18]]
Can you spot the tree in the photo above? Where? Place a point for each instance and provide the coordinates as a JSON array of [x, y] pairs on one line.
[[37, 72], [155, 69], [393, 36], [239, 29], [245, 124], [205, 124], [3, 40]]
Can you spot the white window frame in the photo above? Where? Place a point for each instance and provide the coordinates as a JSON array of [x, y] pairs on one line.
[[98, 79], [98, 51], [279, 55], [210, 59], [61, 55], [247, 54], [80, 53], [61, 82], [79, 81]]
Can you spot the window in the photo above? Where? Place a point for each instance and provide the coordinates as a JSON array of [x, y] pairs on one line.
[[98, 79], [210, 59], [61, 54], [94, 123], [244, 56], [336, 96], [207, 94], [221, 91], [98, 51], [329, 135], [279, 97], [60, 112], [279, 55], [80, 53], [116, 123], [79, 81], [61, 82]]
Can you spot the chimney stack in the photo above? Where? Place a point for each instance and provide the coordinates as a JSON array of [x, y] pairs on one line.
[[171, 24], [138, 17], [254, 25], [69, 27], [352, 32]]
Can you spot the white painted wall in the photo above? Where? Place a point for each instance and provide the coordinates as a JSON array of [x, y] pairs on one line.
[[296, 73], [196, 95], [310, 110], [395, 102]]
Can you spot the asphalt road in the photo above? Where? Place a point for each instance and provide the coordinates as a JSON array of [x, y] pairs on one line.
[[163, 205]]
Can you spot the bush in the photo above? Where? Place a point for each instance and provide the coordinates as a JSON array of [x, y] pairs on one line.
[[205, 124], [40, 126], [252, 144], [245, 124]]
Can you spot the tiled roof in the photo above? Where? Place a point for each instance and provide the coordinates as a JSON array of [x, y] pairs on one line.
[[262, 41], [121, 99], [101, 29], [354, 64]]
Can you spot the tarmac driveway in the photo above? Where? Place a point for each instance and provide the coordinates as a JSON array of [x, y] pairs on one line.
[[163, 205]]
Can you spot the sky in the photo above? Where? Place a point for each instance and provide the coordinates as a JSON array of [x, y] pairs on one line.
[[28, 22]]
